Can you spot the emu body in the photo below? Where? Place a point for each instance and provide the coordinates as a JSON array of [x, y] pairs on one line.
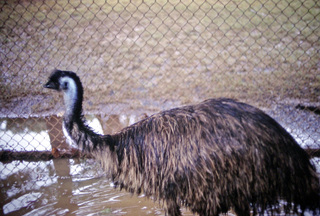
[[210, 157]]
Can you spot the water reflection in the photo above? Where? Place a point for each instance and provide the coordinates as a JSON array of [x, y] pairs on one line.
[[66, 187], [21, 184]]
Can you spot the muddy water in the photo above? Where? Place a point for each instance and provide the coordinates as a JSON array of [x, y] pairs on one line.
[[66, 187]]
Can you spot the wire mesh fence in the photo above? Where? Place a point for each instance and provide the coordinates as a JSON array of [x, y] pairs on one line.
[[138, 57]]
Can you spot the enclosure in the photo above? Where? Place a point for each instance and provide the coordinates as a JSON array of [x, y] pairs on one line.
[[136, 58]]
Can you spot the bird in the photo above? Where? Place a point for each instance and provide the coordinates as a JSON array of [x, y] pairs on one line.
[[211, 157]]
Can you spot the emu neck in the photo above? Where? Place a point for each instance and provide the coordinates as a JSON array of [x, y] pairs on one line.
[[73, 102]]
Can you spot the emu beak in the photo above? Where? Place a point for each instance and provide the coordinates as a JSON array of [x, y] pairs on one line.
[[50, 85]]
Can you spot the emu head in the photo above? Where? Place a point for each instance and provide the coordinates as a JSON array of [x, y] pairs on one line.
[[69, 83], [62, 80]]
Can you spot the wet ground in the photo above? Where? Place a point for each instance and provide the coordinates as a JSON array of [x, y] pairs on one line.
[[79, 186]]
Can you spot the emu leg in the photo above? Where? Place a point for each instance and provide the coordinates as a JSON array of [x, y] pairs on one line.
[[172, 208]]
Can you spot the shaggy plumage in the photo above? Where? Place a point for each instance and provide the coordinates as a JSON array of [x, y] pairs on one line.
[[210, 157]]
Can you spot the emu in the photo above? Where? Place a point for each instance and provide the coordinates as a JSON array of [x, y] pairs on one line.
[[210, 157]]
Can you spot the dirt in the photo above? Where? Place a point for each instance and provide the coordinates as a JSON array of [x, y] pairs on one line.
[[147, 56]]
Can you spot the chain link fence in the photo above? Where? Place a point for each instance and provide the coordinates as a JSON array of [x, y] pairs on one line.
[[136, 58]]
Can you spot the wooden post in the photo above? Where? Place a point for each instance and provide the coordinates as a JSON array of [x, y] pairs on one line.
[[57, 138]]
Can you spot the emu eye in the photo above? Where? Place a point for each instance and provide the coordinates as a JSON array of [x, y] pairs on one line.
[[65, 85]]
